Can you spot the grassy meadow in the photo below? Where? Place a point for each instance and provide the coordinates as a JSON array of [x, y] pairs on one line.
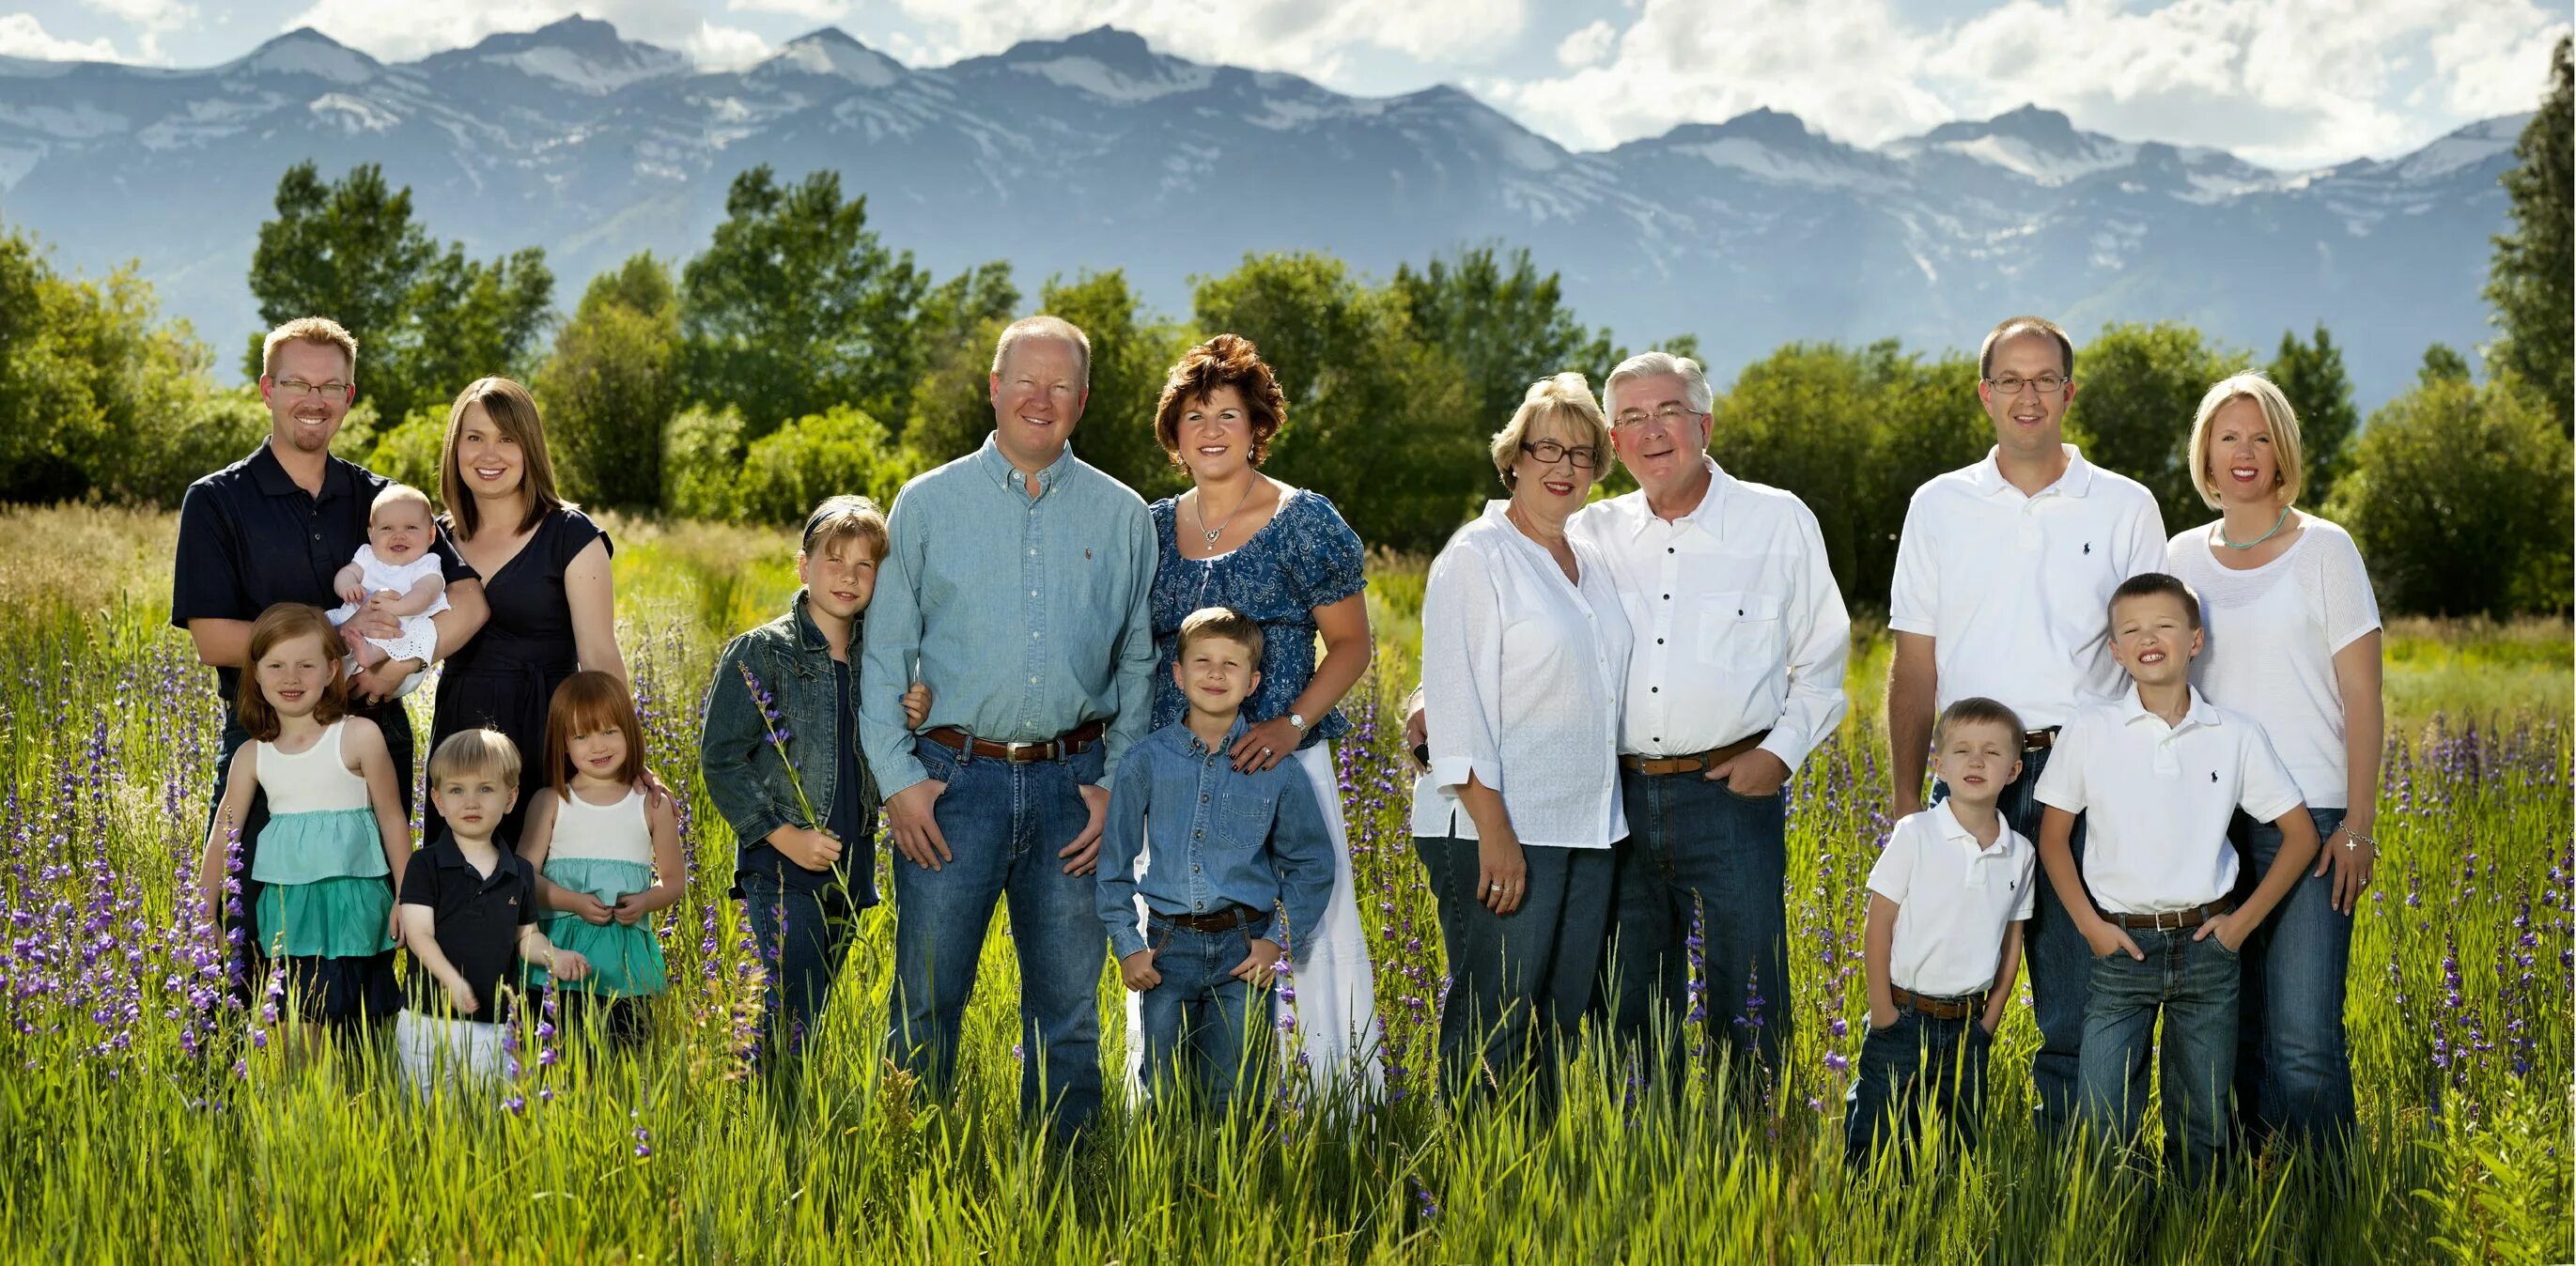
[[143, 1118]]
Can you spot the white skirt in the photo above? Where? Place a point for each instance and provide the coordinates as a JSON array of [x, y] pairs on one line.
[[1329, 1032]]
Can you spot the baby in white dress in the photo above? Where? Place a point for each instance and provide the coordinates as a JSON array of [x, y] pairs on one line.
[[397, 574]]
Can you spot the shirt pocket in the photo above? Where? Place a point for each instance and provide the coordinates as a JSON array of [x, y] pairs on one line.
[[1740, 631], [1243, 818]]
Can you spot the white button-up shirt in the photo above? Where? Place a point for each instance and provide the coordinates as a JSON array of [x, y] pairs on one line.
[[2015, 591], [2157, 799], [1520, 686], [1954, 899], [1738, 625]]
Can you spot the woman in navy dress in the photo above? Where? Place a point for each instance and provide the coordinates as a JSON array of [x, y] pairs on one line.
[[1283, 556], [545, 574]]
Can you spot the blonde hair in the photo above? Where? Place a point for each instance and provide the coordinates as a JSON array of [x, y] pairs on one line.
[[398, 494], [514, 412], [1565, 397], [321, 330], [846, 515], [2289, 469], [1043, 326], [477, 751], [1225, 623]]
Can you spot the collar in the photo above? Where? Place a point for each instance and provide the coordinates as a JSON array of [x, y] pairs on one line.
[[809, 635], [272, 480], [444, 851], [1946, 819], [1703, 516], [1233, 732], [2200, 712], [1000, 470], [2076, 480]]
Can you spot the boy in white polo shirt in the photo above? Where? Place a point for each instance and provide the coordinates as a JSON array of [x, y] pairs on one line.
[[2158, 773], [1948, 898]]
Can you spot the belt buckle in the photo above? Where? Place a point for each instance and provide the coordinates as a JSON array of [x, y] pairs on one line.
[[1011, 751], [2176, 915]]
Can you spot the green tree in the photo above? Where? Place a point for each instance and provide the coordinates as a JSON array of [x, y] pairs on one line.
[[1505, 324], [960, 322], [1925, 421], [2529, 278], [1131, 353], [2137, 389], [1804, 419], [796, 306], [701, 462], [98, 397], [2458, 494], [2442, 364], [787, 472], [2311, 374], [613, 384], [427, 321]]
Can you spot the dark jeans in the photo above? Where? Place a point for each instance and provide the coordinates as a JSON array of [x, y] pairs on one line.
[[2293, 1071], [1004, 823], [1202, 1015], [1514, 978], [2054, 953], [2193, 984], [1693, 842], [1915, 1060], [803, 936]]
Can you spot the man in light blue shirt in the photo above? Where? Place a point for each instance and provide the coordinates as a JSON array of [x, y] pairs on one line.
[[1017, 588]]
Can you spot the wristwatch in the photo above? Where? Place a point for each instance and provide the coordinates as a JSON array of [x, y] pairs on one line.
[[1300, 722]]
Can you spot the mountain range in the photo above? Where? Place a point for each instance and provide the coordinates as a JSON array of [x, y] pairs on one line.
[[1095, 151]]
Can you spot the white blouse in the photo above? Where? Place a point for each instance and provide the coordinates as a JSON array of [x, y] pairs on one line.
[[1520, 686], [2272, 633]]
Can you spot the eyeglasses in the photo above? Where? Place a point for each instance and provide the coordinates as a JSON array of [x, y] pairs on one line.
[[1581, 456], [2011, 384], [1666, 417], [293, 387]]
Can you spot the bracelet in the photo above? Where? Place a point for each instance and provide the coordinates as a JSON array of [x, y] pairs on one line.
[[2355, 839]]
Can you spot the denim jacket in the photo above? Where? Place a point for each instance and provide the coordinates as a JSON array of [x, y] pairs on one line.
[[1216, 837], [742, 771]]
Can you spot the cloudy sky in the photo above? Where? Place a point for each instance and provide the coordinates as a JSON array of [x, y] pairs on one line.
[[2292, 83]]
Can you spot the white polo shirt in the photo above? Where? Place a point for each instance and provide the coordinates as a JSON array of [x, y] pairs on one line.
[[1739, 625], [1954, 899], [1520, 687], [2157, 798], [2015, 591]]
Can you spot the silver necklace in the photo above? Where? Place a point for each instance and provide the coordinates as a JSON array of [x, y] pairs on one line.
[[1198, 510]]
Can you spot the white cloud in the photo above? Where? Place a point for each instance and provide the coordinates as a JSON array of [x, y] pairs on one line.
[[2289, 82], [406, 32], [810, 10], [724, 47], [1587, 46], [151, 18], [1313, 38], [21, 35]]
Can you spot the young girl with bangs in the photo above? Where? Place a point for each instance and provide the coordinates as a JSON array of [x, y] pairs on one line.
[[607, 851], [335, 834]]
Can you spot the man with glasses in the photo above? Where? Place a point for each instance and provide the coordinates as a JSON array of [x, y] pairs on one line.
[[2003, 582], [276, 526]]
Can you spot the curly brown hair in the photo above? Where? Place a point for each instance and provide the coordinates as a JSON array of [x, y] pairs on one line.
[[1228, 360]]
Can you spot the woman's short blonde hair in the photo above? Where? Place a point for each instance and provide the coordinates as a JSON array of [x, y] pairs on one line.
[[1566, 398], [2290, 471]]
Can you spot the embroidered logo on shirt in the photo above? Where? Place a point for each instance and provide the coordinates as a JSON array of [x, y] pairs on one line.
[[2213, 775], [2088, 547]]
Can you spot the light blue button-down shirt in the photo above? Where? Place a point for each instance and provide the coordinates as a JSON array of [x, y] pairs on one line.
[[1026, 616], [1219, 838]]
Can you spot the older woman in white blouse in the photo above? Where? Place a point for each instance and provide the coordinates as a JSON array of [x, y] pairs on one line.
[[2293, 635], [1524, 645]]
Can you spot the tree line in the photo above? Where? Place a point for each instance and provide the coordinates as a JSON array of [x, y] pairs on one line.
[[799, 354]]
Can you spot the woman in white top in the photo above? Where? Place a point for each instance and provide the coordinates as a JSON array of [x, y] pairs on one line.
[[1524, 645], [2293, 641]]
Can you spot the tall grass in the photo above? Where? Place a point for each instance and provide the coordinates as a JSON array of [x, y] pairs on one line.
[[142, 1117]]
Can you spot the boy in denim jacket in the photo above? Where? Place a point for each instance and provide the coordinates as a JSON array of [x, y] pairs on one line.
[[1222, 848], [793, 683]]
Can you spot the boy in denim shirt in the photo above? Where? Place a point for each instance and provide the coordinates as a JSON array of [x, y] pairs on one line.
[[1222, 848], [802, 882]]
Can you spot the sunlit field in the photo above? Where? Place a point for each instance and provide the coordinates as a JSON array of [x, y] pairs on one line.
[[143, 1116]]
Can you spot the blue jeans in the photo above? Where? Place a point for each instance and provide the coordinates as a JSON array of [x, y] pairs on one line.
[[1004, 824], [2193, 984], [2055, 955], [2293, 1071], [1695, 842], [803, 936], [1918, 1058], [1202, 1015], [1518, 981]]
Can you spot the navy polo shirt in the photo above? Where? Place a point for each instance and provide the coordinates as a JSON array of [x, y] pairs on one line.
[[250, 538], [478, 918]]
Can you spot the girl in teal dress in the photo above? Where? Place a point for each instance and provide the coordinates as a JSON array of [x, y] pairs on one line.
[[607, 853], [335, 836]]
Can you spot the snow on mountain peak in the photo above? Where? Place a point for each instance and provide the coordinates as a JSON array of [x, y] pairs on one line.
[[831, 52], [1109, 63], [305, 51], [2466, 147], [584, 54], [2042, 146]]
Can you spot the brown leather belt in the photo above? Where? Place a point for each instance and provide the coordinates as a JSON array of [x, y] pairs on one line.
[[1070, 743], [1222, 921], [2173, 920], [1939, 1008], [2039, 740], [1696, 762]]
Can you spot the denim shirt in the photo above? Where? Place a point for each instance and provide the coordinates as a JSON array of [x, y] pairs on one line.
[[743, 774], [1218, 838], [1026, 617]]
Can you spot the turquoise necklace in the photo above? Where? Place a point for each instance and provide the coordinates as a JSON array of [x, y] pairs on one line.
[[2276, 531]]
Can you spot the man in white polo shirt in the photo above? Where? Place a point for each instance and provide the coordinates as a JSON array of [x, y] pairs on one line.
[[1736, 674], [2002, 577], [2166, 770]]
